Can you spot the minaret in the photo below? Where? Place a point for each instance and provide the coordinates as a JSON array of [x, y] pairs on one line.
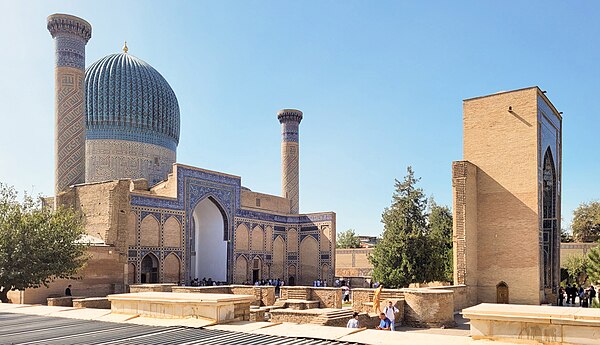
[[71, 34], [290, 121]]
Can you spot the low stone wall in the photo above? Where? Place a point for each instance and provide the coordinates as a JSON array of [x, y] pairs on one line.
[[257, 315], [327, 297], [362, 299], [288, 315], [66, 301], [151, 288], [93, 302], [428, 307], [202, 289], [464, 296], [264, 295], [528, 324]]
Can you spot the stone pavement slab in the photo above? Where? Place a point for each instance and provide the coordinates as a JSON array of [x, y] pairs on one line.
[[35, 309], [81, 313], [374, 337]]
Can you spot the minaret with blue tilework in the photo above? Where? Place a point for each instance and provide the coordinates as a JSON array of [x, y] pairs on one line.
[[70, 34], [290, 151]]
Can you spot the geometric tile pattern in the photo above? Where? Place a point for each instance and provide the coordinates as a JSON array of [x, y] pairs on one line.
[[193, 186], [71, 35], [127, 99], [290, 170], [70, 128], [117, 159]]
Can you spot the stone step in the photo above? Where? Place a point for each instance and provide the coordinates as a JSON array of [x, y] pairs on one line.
[[330, 316]]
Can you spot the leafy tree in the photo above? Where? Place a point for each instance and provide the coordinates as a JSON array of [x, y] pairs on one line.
[[347, 239], [586, 222], [407, 251], [37, 245], [566, 236], [440, 224], [576, 266], [593, 267]]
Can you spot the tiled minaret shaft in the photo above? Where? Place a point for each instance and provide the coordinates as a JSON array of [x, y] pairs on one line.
[[290, 151], [70, 34]]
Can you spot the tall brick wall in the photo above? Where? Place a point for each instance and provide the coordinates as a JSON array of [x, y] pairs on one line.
[[464, 190], [103, 275], [497, 197]]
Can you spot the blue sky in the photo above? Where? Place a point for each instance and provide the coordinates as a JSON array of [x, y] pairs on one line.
[[380, 83]]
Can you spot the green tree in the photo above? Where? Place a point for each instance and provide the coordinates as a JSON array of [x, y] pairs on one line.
[[593, 267], [566, 236], [576, 266], [404, 254], [37, 245], [347, 239], [440, 224], [586, 222]]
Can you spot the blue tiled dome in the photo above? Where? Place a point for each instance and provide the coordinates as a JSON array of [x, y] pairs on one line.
[[127, 99]]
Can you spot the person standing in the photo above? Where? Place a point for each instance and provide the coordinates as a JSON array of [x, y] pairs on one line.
[[353, 322], [561, 296], [377, 299], [390, 312], [573, 293], [592, 294], [346, 290], [68, 291], [384, 323]]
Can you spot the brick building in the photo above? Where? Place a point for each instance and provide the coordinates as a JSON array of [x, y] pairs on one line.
[[507, 198], [150, 218]]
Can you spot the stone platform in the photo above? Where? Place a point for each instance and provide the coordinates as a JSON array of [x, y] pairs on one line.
[[534, 324], [169, 305]]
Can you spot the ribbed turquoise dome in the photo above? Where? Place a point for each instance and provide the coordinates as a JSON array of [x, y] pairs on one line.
[[127, 99]]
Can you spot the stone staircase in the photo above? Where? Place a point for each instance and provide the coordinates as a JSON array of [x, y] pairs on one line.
[[333, 318], [301, 294]]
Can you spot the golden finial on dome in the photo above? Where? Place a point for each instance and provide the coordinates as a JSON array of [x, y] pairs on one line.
[[125, 49]]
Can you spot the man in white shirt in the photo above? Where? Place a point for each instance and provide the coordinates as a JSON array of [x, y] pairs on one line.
[[390, 312], [353, 322]]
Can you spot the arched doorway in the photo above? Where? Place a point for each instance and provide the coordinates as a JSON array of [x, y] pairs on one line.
[[292, 275], [149, 269], [210, 243], [256, 270], [309, 261], [502, 293], [131, 273], [550, 233]]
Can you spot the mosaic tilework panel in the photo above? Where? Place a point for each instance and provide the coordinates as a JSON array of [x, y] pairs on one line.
[[70, 128], [70, 51], [71, 34], [117, 159]]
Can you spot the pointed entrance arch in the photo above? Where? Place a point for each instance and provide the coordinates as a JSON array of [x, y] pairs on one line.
[[149, 269], [550, 234], [502, 293], [210, 241]]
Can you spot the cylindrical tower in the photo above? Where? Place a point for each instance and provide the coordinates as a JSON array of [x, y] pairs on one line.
[[70, 34], [290, 151]]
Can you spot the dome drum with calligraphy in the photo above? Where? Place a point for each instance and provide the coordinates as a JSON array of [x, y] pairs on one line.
[[132, 120]]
